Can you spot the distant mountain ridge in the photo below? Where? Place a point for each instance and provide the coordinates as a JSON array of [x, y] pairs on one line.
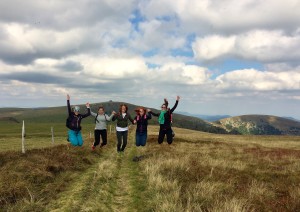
[[59, 115], [260, 125], [210, 118], [246, 124]]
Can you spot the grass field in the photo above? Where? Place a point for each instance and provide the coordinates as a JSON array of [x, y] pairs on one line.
[[198, 172]]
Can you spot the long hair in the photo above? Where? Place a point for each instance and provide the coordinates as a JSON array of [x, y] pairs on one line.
[[120, 108]]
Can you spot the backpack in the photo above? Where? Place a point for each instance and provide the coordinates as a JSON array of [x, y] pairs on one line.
[[96, 120]]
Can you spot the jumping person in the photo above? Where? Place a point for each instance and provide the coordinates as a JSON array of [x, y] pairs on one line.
[[164, 119], [101, 128], [141, 120], [73, 123], [122, 127]]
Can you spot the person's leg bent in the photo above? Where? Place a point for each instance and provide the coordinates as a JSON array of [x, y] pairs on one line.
[[97, 137], [143, 139], [137, 139], [72, 137], [79, 139], [104, 137], [169, 136], [161, 135]]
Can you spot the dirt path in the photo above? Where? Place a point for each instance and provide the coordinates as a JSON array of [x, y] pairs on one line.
[[114, 183]]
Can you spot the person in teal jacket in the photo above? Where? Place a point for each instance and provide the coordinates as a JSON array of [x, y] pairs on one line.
[[73, 123]]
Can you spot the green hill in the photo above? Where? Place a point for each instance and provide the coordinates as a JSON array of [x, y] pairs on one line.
[[260, 125], [59, 114]]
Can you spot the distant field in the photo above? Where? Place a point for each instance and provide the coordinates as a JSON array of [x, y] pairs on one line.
[[198, 172]]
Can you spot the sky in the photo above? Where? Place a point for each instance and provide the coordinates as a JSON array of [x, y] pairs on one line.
[[226, 57]]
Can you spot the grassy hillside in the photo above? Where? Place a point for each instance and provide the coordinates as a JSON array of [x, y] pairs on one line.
[[58, 115], [260, 125], [198, 172]]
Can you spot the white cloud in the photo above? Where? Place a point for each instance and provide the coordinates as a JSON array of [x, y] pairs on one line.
[[212, 47], [260, 45], [254, 80]]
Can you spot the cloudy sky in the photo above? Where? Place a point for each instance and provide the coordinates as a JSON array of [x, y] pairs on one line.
[[221, 56]]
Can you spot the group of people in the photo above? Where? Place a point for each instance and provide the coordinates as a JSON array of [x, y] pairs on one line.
[[123, 119]]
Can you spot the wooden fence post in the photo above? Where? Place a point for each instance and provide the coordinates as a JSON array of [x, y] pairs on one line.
[[23, 138], [52, 133]]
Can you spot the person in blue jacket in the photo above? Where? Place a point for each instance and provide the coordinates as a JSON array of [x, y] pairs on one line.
[[74, 121]]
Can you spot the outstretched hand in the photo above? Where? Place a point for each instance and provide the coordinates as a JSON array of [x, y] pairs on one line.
[[178, 98], [148, 110], [114, 113], [68, 97]]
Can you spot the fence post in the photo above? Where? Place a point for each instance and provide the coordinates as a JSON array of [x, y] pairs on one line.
[[90, 134], [23, 138], [110, 129], [52, 133]]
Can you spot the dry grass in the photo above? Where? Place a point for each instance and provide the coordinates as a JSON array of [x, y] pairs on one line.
[[207, 172], [198, 172]]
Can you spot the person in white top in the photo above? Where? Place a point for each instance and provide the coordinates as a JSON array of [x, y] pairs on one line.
[[122, 126], [101, 120]]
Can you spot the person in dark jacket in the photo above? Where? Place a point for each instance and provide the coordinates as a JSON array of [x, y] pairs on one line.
[[141, 120], [73, 123], [164, 119], [122, 117]]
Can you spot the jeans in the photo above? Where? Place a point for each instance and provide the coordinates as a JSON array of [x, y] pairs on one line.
[[141, 138]]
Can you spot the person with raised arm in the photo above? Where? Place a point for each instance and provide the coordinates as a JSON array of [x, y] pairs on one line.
[[74, 123], [101, 120], [164, 120]]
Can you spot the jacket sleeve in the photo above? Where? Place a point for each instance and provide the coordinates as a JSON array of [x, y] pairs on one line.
[[174, 107], [154, 114], [149, 116], [93, 114], [69, 107], [130, 118], [114, 117], [110, 117], [87, 114]]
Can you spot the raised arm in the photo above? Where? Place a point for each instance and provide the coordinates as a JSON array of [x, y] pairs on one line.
[[174, 107], [93, 114], [88, 112], [68, 104]]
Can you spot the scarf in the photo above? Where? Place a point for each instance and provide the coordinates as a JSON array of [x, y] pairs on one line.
[[161, 118]]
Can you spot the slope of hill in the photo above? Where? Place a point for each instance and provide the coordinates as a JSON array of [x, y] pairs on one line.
[[59, 115], [260, 125]]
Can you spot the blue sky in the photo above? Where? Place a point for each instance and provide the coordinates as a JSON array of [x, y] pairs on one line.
[[222, 57]]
